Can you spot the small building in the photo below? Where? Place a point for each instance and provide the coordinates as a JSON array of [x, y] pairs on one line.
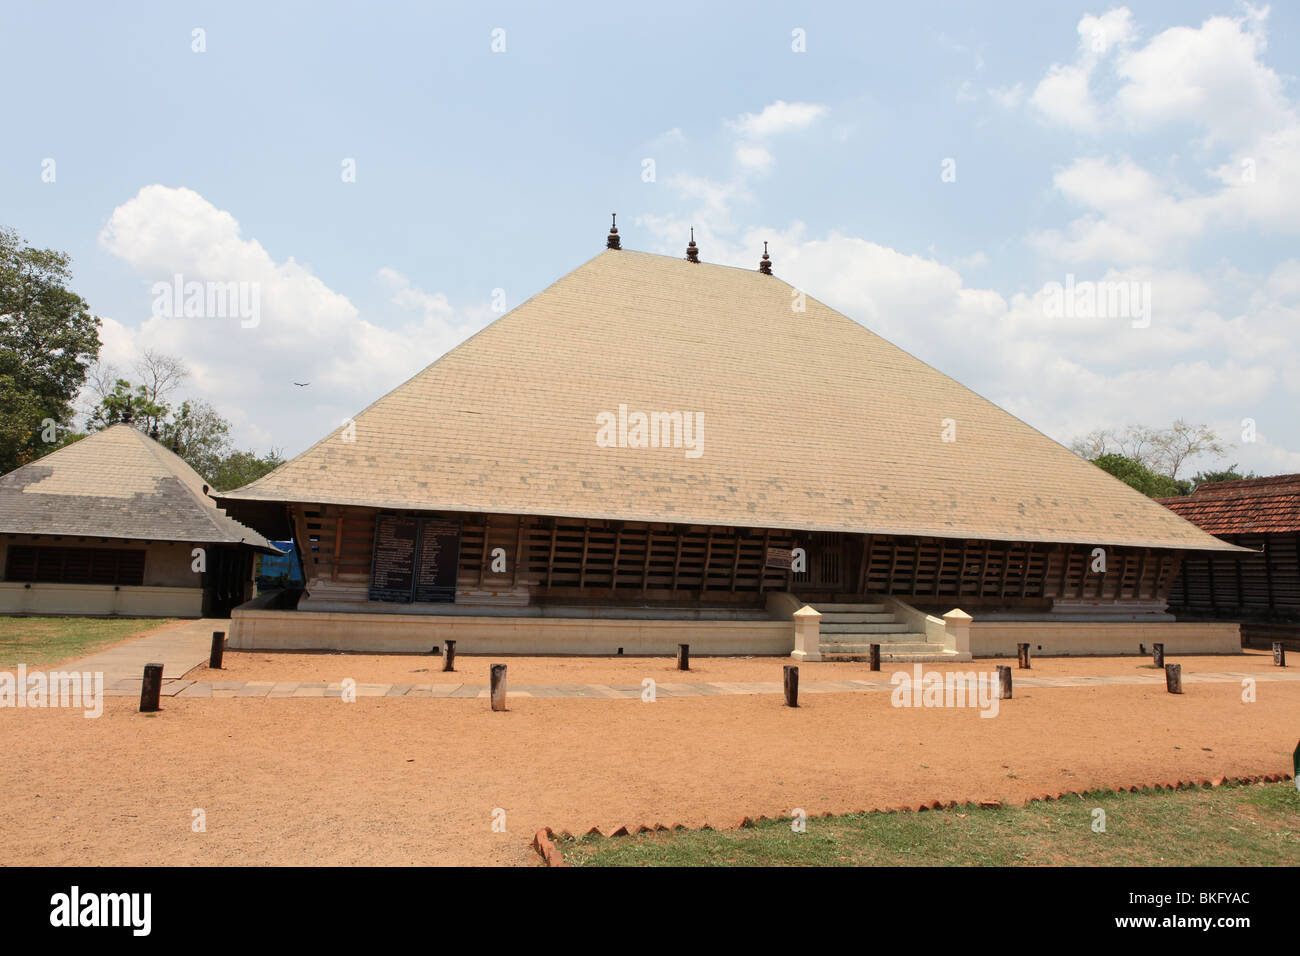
[[1261, 515], [657, 450], [117, 524]]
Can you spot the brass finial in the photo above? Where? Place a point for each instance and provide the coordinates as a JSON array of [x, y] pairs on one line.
[[765, 264], [612, 241], [692, 251]]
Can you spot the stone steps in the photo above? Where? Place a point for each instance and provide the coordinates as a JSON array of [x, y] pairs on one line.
[[849, 630], [883, 630], [853, 617], [916, 643], [897, 653]]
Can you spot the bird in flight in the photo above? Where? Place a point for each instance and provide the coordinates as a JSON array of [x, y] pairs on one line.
[[302, 384]]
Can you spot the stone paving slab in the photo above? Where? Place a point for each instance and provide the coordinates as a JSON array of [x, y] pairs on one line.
[[178, 647], [316, 689], [681, 690]]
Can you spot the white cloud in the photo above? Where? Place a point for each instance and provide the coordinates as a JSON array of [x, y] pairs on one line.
[[754, 157], [1101, 36], [307, 331], [779, 117], [1132, 217], [1210, 78], [1063, 97]]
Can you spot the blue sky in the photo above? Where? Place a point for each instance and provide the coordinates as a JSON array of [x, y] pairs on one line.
[[1107, 143]]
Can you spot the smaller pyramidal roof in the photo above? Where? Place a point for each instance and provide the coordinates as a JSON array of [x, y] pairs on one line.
[[117, 483], [804, 420]]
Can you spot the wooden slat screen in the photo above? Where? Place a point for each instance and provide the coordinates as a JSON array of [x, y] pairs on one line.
[[1265, 583], [123, 567]]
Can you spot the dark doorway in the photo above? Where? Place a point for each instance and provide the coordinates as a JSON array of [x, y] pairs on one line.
[[827, 562], [228, 581]]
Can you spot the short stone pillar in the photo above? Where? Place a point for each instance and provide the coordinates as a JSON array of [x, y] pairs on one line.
[[956, 626], [807, 634]]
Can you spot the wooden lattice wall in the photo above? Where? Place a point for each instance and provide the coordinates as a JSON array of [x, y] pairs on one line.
[[627, 560], [1264, 583], [944, 567]]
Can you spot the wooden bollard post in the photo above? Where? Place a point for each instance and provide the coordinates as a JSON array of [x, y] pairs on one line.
[[1004, 681], [218, 648], [448, 656], [791, 685], [1158, 655], [150, 688], [875, 656], [1022, 656], [1174, 678], [1279, 654], [683, 657], [498, 686]]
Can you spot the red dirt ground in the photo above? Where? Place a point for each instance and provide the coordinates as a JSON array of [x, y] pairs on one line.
[[416, 781]]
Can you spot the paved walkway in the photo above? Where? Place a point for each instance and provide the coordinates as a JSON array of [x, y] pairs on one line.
[[179, 648], [220, 689]]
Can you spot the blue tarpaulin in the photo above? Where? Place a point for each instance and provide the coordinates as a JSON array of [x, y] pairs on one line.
[[281, 570]]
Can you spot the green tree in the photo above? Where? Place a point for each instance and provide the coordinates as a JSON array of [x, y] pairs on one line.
[[1161, 450], [1213, 477], [241, 467], [48, 338], [1137, 475], [130, 404], [200, 435]]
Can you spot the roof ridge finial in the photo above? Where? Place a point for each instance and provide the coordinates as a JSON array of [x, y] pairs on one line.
[[765, 264], [612, 241], [692, 251]]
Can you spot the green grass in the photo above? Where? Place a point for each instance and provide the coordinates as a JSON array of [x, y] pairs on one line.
[[1247, 825], [39, 641]]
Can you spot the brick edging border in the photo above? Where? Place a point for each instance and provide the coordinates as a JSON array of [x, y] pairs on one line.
[[551, 854], [544, 843]]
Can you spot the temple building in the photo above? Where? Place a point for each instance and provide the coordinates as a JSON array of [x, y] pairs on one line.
[[116, 524], [655, 451]]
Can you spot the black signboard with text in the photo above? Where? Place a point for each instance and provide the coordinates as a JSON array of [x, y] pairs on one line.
[[437, 558], [414, 559]]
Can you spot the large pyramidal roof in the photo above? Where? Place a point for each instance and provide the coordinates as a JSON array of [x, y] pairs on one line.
[[117, 483], [811, 422]]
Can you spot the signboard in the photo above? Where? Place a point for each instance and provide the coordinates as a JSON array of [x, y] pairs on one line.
[[437, 559], [780, 558], [392, 564], [414, 559]]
